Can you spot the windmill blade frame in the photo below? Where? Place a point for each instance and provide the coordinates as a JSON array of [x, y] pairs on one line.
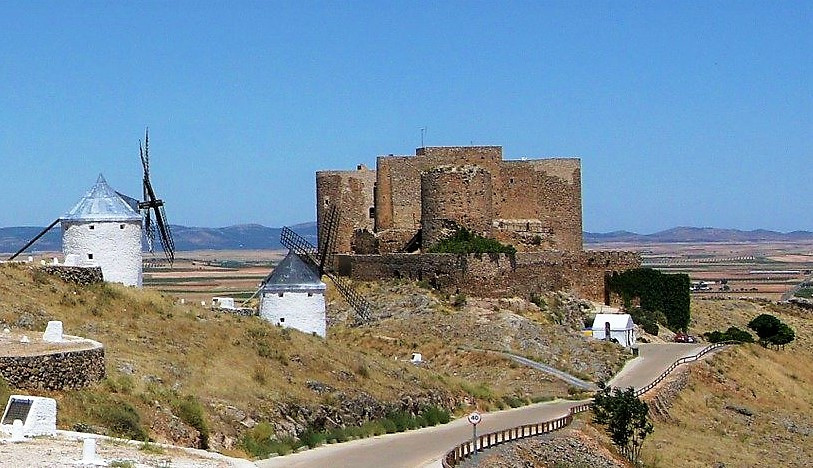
[[156, 205], [35, 239]]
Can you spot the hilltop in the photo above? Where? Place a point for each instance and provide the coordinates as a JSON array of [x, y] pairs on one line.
[[257, 236], [192, 376]]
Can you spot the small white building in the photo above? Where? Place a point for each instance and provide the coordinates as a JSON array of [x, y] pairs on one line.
[[104, 230], [293, 295], [619, 327]]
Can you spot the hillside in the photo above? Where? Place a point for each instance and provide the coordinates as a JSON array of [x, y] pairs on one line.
[[746, 406], [698, 235], [256, 236], [182, 374], [238, 237]]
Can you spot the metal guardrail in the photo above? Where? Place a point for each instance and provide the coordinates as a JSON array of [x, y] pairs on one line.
[[468, 448]]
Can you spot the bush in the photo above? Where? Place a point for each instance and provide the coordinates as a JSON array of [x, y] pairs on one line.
[[122, 419], [191, 412], [260, 442], [464, 241], [667, 293], [732, 334]]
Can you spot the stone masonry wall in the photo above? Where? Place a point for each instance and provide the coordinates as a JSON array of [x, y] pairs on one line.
[[77, 275], [352, 192], [497, 275], [455, 196], [57, 371]]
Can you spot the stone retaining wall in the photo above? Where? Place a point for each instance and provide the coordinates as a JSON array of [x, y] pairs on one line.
[[74, 274], [65, 370]]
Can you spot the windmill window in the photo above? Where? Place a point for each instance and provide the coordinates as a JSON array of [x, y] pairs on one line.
[[92, 227], [121, 226], [310, 294], [280, 294], [90, 256], [282, 320]]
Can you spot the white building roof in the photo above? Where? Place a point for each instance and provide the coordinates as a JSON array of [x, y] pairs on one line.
[[617, 321], [101, 203]]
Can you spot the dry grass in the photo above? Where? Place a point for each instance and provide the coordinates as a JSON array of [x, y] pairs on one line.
[[159, 351], [705, 428]]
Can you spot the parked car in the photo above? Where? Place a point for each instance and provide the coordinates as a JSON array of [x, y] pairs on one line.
[[681, 337]]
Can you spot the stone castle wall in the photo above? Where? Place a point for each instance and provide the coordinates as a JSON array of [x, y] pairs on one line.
[[455, 196], [535, 204], [497, 275], [66, 370], [352, 193]]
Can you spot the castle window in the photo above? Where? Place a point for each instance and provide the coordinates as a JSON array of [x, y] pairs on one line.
[[90, 256], [372, 212], [92, 227], [512, 180]]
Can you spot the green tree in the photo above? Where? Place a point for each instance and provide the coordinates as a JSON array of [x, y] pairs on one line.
[[765, 326], [783, 336], [626, 419]]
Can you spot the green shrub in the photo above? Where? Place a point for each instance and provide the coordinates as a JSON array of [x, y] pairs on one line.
[[464, 241], [122, 419], [732, 334], [191, 412], [667, 293], [311, 438], [260, 442]]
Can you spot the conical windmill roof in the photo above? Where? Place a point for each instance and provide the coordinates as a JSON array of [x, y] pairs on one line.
[[293, 273], [101, 203]]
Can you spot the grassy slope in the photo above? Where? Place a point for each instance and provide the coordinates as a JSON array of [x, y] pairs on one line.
[[177, 350], [777, 386], [166, 360]]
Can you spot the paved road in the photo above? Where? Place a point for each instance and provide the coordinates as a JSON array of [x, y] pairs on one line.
[[572, 380], [425, 446]]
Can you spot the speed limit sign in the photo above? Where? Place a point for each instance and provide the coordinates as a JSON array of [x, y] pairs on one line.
[[475, 418]]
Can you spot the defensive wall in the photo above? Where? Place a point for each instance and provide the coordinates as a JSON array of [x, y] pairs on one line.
[[535, 204], [497, 275]]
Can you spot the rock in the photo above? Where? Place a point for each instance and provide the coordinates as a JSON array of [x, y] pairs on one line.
[[739, 409]]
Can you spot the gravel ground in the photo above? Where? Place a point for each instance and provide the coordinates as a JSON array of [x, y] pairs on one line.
[[61, 451]]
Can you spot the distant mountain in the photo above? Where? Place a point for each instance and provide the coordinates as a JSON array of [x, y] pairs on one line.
[[239, 237], [258, 237], [696, 235]]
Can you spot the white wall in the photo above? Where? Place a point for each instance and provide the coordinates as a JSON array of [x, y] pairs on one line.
[[117, 250], [296, 310], [626, 338]]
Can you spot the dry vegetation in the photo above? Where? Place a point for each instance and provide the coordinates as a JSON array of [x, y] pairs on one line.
[[709, 423], [189, 375]]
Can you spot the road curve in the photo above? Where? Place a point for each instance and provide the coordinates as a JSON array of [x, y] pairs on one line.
[[421, 447]]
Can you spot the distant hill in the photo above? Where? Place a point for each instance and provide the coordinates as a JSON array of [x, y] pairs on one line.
[[239, 237], [693, 234], [259, 237]]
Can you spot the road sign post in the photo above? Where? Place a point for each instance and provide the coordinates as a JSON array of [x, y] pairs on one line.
[[474, 419]]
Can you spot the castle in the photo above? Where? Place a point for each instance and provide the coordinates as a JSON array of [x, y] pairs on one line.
[[409, 203]]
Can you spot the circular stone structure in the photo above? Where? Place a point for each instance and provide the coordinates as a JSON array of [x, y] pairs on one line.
[[72, 363], [455, 196]]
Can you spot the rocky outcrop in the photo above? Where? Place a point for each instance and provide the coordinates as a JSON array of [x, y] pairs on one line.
[[661, 398]]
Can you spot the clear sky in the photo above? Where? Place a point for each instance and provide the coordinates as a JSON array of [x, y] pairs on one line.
[[684, 113]]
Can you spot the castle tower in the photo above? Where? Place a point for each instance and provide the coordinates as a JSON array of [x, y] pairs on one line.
[[103, 230], [293, 296], [455, 196]]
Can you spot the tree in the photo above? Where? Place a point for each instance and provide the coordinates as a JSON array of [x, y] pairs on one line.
[[765, 326], [626, 419], [772, 331], [783, 336]]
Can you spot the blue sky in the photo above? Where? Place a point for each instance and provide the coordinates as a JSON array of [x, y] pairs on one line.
[[684, 113]]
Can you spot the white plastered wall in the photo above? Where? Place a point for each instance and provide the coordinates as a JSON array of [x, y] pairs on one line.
[[302, 310], [115, 246]]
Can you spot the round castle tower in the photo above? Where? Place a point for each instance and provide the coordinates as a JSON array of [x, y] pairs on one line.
[[104, 230], [453, 196]]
